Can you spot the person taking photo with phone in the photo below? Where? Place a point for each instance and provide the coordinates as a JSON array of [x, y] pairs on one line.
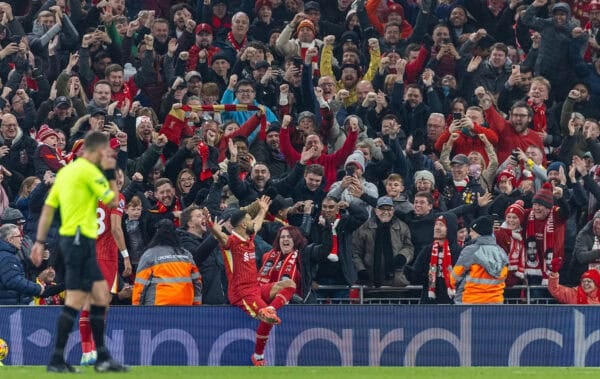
[[353, 184]]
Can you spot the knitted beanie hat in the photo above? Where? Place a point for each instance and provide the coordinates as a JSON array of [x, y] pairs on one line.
[[518, 209], [544, 196]]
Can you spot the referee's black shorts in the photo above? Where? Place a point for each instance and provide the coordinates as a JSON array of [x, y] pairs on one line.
[[81, 268]]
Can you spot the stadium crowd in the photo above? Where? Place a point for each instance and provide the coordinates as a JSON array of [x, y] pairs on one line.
[[385, 137]]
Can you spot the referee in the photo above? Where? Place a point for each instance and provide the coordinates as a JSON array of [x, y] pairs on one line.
[[76, 191]]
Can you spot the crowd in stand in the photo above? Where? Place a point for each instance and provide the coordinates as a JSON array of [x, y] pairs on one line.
[[451, 144]]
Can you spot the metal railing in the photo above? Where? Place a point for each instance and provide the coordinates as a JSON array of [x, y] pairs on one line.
[[359, 294]]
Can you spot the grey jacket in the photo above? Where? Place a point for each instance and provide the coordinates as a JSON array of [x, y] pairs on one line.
[[483, 252], [584, 243]]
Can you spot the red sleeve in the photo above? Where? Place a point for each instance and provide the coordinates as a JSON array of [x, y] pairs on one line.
[[339, 157], [283, 110], [413, 68], [245, 130], [50, 158], [489, 133], [496, 122], [326, 122], [442, 139], [120, 209], [288, 151], [371, 9]]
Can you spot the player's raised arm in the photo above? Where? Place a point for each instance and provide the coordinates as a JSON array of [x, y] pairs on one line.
[[264, 202], [215, 228]]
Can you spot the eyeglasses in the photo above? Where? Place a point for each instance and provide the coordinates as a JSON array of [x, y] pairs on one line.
[[587, 281], [243, 91], [386, 209]]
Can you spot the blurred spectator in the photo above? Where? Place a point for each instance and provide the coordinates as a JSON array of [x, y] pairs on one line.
[[585, 293]]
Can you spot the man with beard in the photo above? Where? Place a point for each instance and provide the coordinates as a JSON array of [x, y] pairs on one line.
[[167, 207], [180, 15], [243, 290], [514, 132], [433, 265], [269, 152], [516, 87], [196, 239], [199, 50]]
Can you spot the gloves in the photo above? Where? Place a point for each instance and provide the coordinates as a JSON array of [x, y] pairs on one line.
[[556, 264], [363, 276]]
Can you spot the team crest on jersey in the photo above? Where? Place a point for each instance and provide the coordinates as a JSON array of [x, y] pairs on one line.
[[122, 204], [249, 256]]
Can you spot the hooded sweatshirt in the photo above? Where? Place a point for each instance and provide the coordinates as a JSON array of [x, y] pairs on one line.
[[480, 272]]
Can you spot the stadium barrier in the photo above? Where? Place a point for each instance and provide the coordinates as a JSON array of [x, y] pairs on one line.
[[358, 294], [346, 335]]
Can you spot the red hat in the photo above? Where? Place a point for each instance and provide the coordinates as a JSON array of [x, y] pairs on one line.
[[544, 196], [442, 219], [114, 143], [594, 6], [75, 150], [262, 3], [394, 8], [518, 209], [594, 275], [204, 28], [306, 24], [44, 133], [509, 174]]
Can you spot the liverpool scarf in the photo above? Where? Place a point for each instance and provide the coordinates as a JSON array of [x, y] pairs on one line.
[[177, 119], [333, 254], [204, 153], [535, 267], [539, 116], [438, 249], [287, 270], [161, 208]]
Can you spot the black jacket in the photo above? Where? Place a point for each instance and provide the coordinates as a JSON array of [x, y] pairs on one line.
[[208, 258]]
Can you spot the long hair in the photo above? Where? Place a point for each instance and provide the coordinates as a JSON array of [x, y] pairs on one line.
[[297, 237], [166, 235]]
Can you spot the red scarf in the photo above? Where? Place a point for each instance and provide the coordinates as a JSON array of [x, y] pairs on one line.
[[539, 116], [237, 46], [218, 23], [203, 150], [516, 253], [278, 267], [434, 267], [535, 267], [269, 217], [160, 208], [333, 254]]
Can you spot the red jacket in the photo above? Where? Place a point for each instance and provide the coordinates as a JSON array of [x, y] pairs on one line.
[[330, 162], [466, 144], [510, 139]]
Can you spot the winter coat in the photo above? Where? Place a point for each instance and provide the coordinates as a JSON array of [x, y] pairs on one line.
[[15, 288], [363, 248], [417, 272], [19, 158]]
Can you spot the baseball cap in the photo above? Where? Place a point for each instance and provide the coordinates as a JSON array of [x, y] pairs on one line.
[[460, 159], [192, 74], [312, 5], [94, 111], [385, 201], [279, 202], [261, 64], [62, 101], [204, 27]]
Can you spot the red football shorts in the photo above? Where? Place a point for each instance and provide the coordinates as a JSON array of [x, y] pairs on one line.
[[110, 271]]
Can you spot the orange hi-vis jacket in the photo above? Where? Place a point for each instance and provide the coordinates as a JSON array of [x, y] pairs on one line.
[[480, 273], [167, 277]]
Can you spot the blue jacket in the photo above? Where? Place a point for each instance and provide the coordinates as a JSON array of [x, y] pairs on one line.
[[15, 288]]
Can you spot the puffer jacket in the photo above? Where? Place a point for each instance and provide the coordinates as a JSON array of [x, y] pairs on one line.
[[480, 273], [166, 276], [15, 289]]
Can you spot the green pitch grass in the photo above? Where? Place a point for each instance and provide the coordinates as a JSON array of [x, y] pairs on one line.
[[157, 372]]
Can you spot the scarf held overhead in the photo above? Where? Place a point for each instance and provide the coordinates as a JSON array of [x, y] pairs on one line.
[[176, 120]]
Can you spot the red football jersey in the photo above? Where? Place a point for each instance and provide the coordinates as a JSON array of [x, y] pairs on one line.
[[240, 266], [106, 247]]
